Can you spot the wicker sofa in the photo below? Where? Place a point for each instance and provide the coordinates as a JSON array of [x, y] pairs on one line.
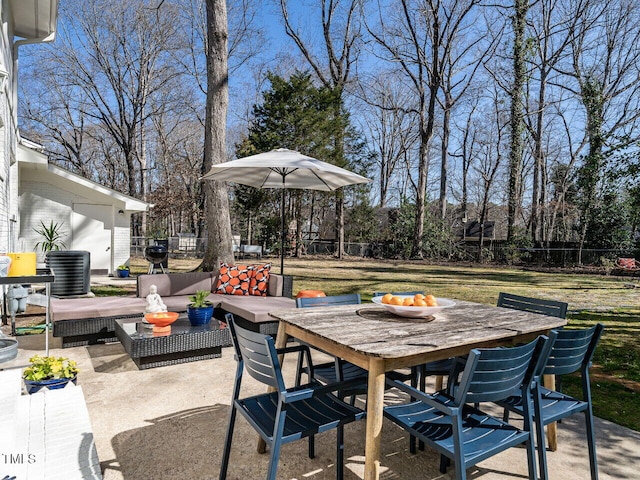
[[85, 321]]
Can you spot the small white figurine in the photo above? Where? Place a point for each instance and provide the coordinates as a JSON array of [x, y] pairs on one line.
[[154, 301]]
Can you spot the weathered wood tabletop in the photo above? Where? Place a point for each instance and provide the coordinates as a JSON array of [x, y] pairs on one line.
[[378, 341], [367, 330]]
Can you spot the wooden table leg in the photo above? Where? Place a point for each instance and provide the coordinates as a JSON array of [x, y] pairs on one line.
[[552, 431], [439, 382], [281, 342], [375, 404]]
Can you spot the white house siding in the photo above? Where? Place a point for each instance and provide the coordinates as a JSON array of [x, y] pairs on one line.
[[121, 240], [5, 191], [42, 201], [8, 134]]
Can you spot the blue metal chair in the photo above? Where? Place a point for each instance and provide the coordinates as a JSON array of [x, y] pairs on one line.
[[553, 308], [534, 305], [337, 370], [330, 301], [571, 352], [285, 415], [449, 424], [439, 368]]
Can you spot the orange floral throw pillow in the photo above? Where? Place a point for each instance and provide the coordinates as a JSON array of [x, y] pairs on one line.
[[259, 282], [234, 279]]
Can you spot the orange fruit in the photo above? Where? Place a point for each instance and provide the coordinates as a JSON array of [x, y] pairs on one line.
[[386, 298], [419, 303], [408, 302], [431, 301], [395, 300], [418, 296]]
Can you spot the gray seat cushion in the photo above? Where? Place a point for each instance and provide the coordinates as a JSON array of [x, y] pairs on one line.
[[173, 284], [253, 308], [96, 307]]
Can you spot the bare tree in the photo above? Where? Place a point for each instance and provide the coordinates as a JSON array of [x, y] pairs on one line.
[[333, 66], [175, 146], [246, 40], [490, 158], [516, 91], [463, 54], [552, 26], [419, 37], [219, 240], [466, 152], [605, 64], [561, 179], [51, 117], [390, 127], [111, 60]]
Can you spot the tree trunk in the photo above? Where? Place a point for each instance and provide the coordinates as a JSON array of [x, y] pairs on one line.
[[538, 167], [423, 170], [311, 214], [219, 244], [446, 121], [340, 161], [517, 116], [426, 133], [299, 224], [340, 222], [144, 183]]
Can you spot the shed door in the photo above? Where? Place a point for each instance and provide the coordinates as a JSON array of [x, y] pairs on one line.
[[92, 226]]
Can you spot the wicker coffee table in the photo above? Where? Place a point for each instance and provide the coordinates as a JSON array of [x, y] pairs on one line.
[[183, 344]]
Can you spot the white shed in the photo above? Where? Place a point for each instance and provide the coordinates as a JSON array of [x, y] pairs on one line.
[[94, 218]]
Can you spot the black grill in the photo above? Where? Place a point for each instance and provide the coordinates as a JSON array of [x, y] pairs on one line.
[[156, 254]]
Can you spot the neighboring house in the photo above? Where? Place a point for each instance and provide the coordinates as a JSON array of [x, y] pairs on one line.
[[23, 22], [94, 218]]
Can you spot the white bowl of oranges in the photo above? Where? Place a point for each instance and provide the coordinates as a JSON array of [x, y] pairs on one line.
[[412, 306]]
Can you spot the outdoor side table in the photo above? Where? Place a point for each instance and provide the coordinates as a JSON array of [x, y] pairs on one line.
[[43, 275], [185, 343]]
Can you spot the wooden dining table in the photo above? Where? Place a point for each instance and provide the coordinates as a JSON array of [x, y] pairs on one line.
[[379, 341]]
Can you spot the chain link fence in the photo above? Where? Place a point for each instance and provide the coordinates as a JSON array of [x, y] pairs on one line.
[[188, 245]]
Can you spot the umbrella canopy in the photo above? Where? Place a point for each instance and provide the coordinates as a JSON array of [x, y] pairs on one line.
[[283, 168]]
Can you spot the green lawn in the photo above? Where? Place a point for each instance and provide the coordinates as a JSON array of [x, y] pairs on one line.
[[591, 299]]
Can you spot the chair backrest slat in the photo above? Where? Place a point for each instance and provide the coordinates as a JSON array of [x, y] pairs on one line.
[[534, 305], [348, 299], [572, 350], [258, 354], [495, 374]]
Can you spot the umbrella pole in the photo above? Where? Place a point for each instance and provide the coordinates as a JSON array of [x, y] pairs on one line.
[[282, 233]]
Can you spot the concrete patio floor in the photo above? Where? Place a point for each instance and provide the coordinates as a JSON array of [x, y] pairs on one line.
[[170, 422]]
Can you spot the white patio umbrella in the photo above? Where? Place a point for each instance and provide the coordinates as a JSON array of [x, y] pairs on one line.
[[283, 168]]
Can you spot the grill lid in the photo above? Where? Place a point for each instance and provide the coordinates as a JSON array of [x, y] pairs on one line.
[[156, 253]]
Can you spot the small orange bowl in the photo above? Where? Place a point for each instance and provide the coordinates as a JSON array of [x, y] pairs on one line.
[[161, 319]]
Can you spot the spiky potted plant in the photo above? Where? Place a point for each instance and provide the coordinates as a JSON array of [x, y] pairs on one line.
[[200, 310], [51, 237], [50, 372]]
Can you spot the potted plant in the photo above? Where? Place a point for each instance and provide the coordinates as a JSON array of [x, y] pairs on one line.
[[50, 372], [200, 310], [51, 237], [123, 271]]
